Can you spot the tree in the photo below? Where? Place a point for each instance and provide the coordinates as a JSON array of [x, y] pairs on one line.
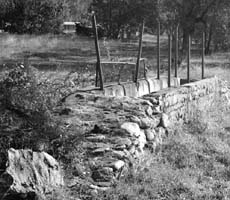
[[189, 13], [116, 14], [77, 9], [32, 16]]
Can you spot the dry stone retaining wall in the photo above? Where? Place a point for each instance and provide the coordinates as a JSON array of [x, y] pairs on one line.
[[118, 130], [184, 102]]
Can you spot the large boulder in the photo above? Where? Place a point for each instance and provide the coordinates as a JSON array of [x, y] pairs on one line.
[[29, 172]]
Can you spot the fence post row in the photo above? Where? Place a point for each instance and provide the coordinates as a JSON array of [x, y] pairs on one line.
[[139, 50], [176, 50], [203, 52], [169, 58], [158, 48], [98, 65], [188, 58]]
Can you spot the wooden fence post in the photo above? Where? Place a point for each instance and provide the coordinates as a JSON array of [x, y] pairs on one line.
[[169, 58], [98, 66], [176, 51], [188, 58], [203, 52], [145, 69], [139, 51], [158, 48]]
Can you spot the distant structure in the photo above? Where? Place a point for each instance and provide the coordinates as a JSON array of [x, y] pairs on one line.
[[82, 29], [69, 27]]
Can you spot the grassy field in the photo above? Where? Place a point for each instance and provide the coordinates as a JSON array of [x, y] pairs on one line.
[[57, 53]]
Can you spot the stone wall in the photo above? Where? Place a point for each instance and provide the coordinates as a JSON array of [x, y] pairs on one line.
[[119, 130], [182, 103]]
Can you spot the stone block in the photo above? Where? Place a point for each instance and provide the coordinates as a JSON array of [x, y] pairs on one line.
[[175, 82], [114, 90], [143, 88], [130, 89], [154, 85], [164, 83]]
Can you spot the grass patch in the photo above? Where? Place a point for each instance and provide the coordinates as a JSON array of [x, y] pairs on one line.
[[190, 166], [193, 163]]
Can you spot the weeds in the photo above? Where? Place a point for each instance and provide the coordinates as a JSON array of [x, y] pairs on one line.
[[193, 164], [27, 108]]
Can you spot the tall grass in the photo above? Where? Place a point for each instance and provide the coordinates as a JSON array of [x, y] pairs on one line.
[[193, 164]]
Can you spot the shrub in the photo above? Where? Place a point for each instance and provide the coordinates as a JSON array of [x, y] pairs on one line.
[[27, 111], [30, 16]]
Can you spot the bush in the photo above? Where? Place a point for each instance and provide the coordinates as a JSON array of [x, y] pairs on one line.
[[30, 16], [27, 111]]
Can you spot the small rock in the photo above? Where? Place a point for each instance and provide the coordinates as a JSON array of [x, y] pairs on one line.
[[136, 142], [132, 150], [137, 154], [120, 147], [145, 123], [132, 128], [104, 185], [150, 122], [142, 141], [96, 138], [157, 110], [94, 145], [94, 193], [101, 150], [150, 134], [145, 102], [123, 141], [156, 121], [149, 111], [118, 154], [99, 186], [152, 100], [118, 164], [135, 119], [165, 122]]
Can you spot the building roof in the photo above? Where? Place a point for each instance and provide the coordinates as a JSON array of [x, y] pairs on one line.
[[70, 23]]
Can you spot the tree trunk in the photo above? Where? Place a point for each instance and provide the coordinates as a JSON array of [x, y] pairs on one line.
[[183, 54], [208, 40], [185, 41]]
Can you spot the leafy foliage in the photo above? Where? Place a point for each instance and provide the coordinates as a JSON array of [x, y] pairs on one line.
[[31, 16], [26, 109], [192, 16]]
